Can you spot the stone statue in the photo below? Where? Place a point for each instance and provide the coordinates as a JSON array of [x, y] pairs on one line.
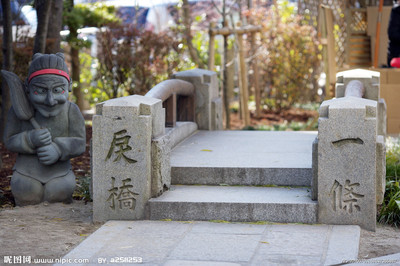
[[45, 129]]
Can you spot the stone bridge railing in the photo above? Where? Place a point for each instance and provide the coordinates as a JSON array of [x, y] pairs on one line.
[[175, 94], [349, 152], [131, 145]]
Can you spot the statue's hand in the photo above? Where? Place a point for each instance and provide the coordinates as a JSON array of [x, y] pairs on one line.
[[48, 154], [40, 137]]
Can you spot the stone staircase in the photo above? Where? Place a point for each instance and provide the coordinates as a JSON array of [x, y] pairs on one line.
[[243, 176]]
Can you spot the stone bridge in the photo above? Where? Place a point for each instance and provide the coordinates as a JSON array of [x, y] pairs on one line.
[[165, 156]]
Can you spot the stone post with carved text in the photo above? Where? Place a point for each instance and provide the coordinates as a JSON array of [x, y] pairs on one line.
[[123, 130], [347, 137]]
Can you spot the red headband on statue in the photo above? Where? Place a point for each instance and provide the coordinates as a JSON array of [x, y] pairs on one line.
[[49, 71]]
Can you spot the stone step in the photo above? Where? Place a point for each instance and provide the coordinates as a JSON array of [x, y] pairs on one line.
[[241, 176], [234, 203], [244, 158]]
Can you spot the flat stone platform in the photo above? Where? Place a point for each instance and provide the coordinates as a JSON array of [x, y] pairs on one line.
[[210, 243], [244, 158]]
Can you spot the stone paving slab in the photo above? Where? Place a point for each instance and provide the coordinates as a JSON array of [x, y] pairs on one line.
[[234, 203], [220, 244], [244, 158]]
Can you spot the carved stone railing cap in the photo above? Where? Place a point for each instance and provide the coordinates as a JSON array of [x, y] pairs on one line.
[[335, 106], [357, 73]]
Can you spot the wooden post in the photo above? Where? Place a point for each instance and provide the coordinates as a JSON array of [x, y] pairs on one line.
[[226, 31], [257, 92], [211, 50], [225, 82], [329, 52], [378, 34], [185, 108], [244, 94], [230, 74], [170, 110]]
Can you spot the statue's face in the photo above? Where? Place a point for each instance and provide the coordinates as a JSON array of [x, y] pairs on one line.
[[48, 94]]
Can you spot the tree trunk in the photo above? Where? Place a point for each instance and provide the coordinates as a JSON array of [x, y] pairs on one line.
[[75, 65], [225, 85], [43, 14], [75, 69], [7, 62], [54, 27], [186, 22], [225, 92]]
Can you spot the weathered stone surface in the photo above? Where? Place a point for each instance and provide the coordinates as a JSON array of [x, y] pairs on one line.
[[382, 118], [144, 106], [221, 244], [243, 204], [314, 180], [380, 169], [122, 134], [342, 236], [180, 132], [244, 158], [216, 114], [251, 176], [208, 110], [161, 167], [370, 81], [347, 162]]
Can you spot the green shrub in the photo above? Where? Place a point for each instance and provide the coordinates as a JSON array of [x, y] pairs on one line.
[[390, 211], [82, 190], [289, 56], [311, 124]]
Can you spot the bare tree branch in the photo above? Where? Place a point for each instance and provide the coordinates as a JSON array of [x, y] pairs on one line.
[[192, 50], [216, 7]]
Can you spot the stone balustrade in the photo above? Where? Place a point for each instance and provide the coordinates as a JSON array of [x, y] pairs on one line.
[[131, 145], [349, 152], [178, 99]]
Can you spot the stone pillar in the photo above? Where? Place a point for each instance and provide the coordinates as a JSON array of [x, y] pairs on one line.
[[347, 160], [123, 130], [208, 102], [371, 83]]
